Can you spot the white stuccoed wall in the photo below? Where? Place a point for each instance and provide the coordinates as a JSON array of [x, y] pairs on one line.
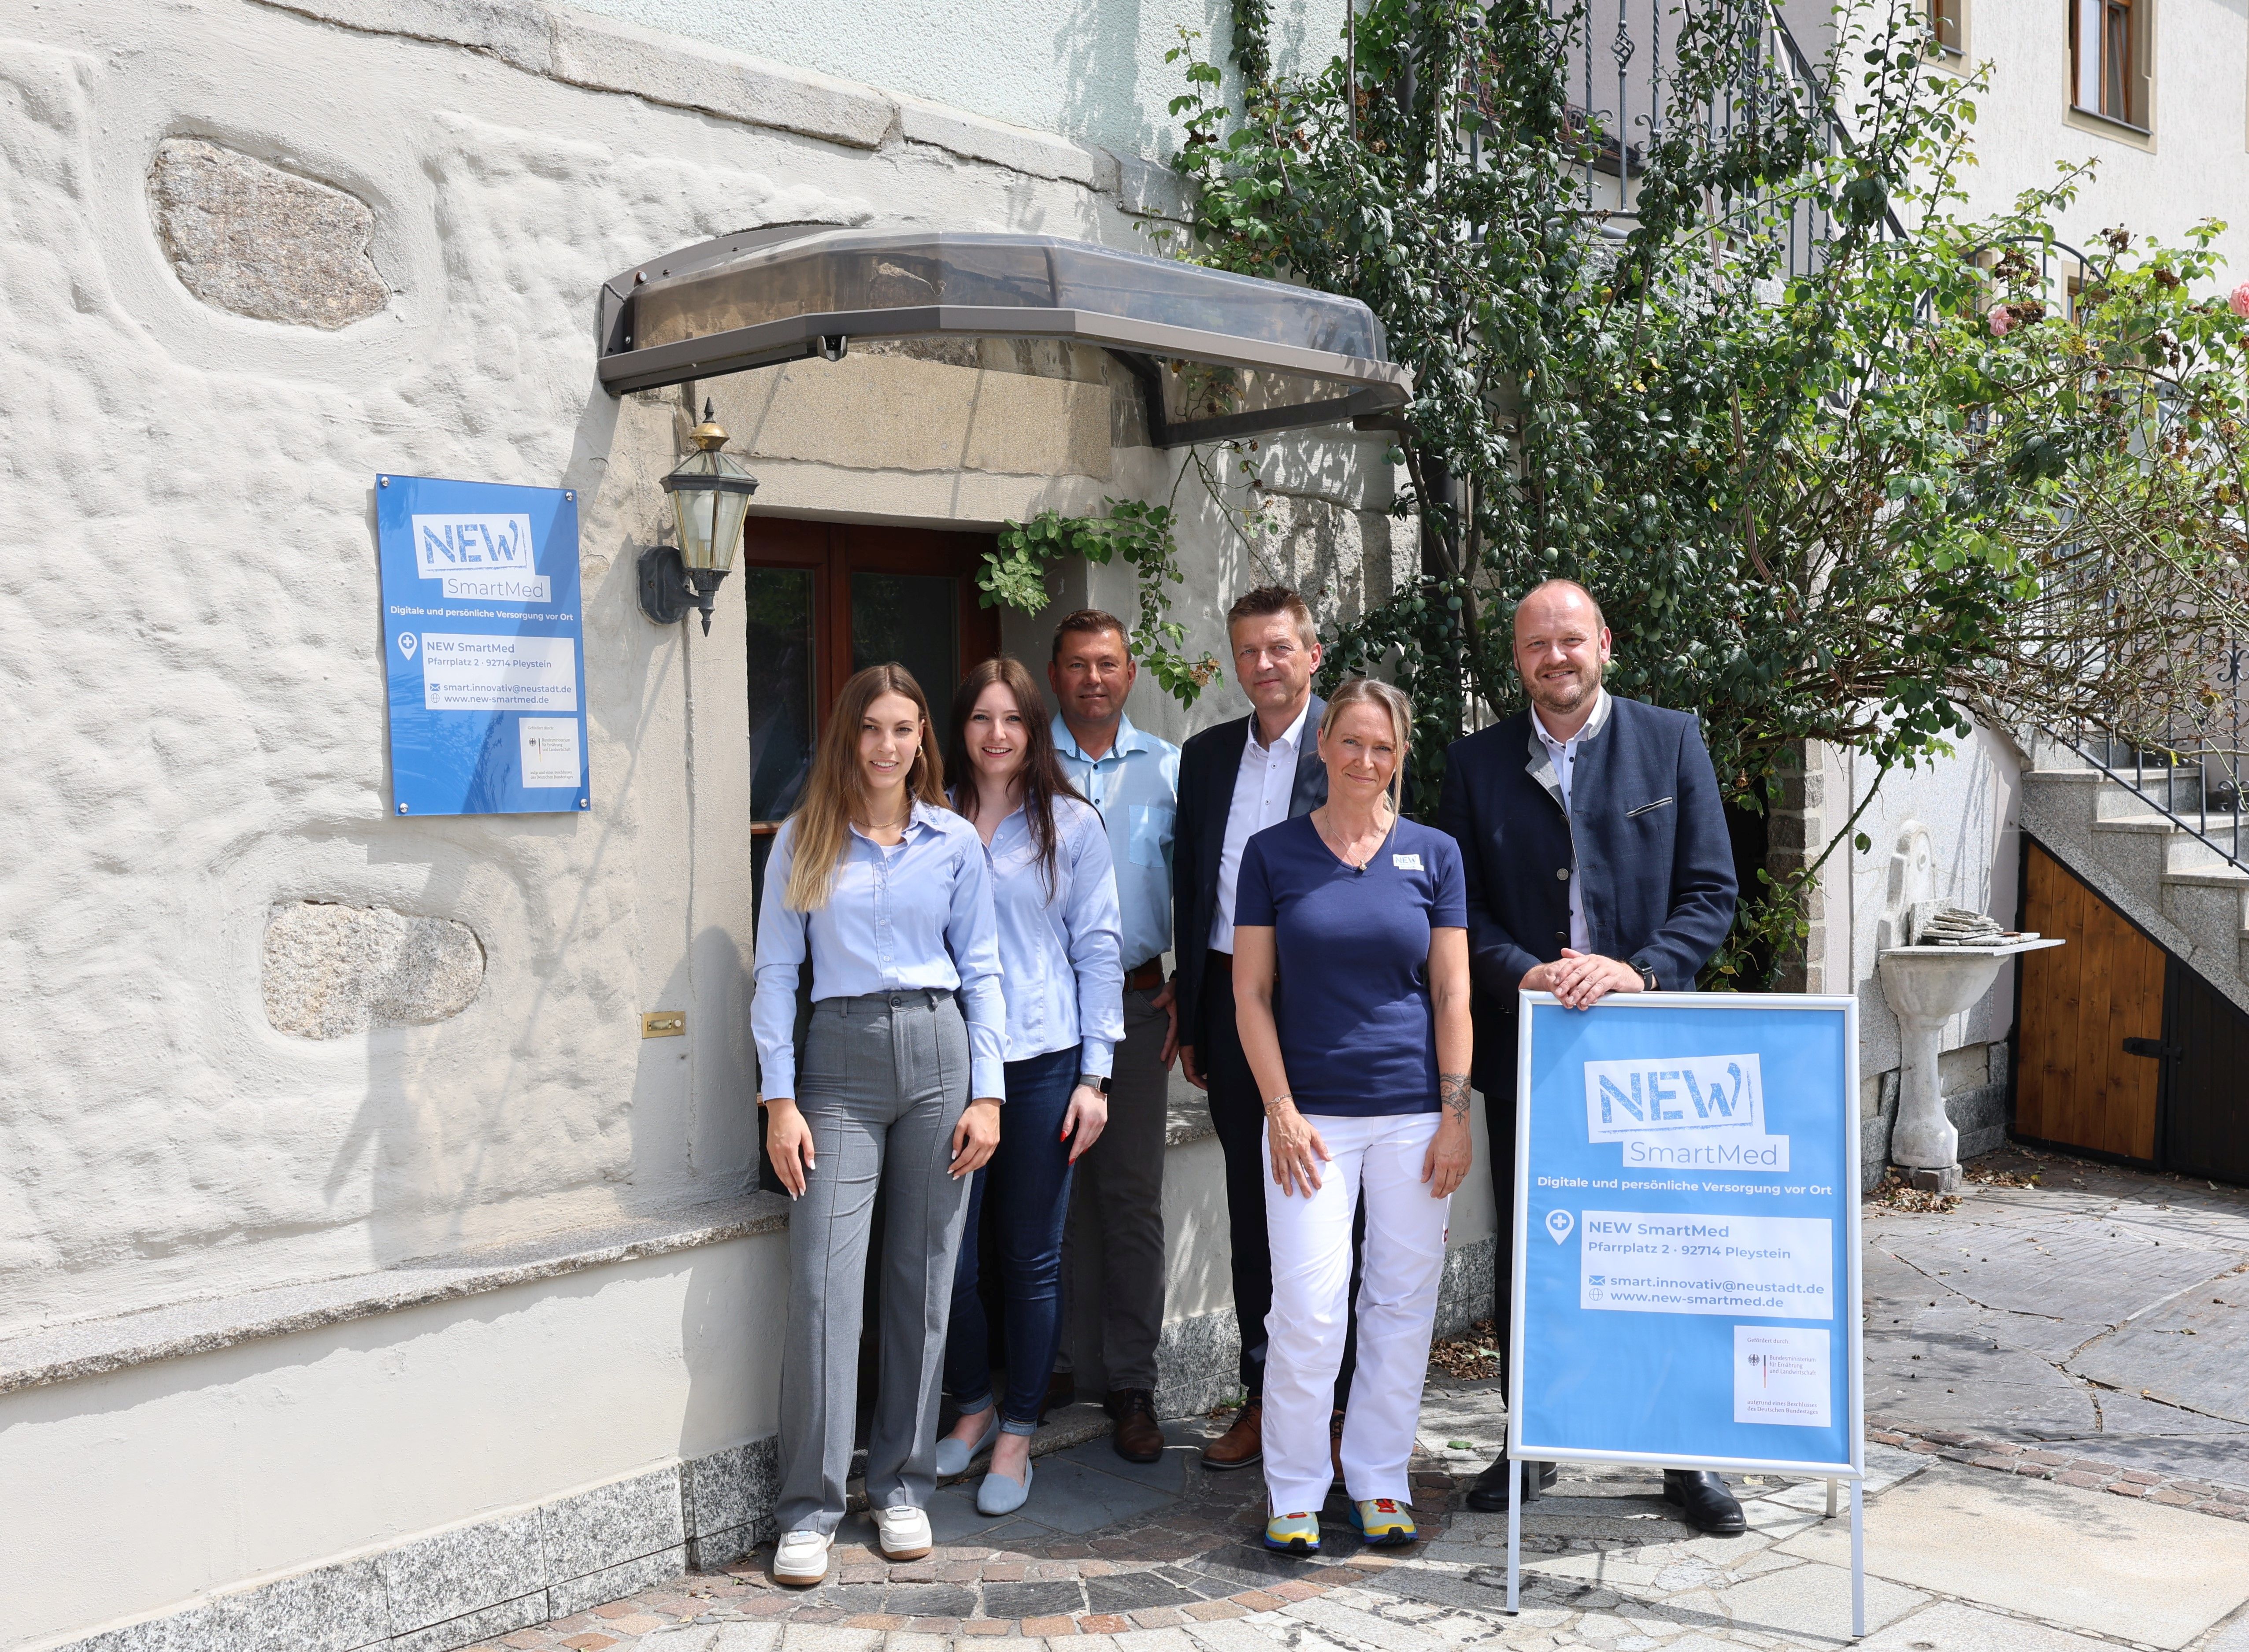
[[1077, 66], [189, 634], [1967, 803], [189, 628]]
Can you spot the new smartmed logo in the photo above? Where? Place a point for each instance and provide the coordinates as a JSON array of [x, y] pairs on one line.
[[1683, 1111], [479, 558]]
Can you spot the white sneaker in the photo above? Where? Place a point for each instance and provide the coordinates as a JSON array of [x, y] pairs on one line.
[[905, 1532], [801, 1558]]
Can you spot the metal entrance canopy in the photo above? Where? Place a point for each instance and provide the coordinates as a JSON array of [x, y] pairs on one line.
[[1216, 355]]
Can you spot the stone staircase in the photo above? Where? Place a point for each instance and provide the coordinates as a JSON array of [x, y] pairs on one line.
[[2146, 862]]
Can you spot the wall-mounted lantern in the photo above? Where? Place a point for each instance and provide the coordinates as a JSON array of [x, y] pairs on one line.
[[709, 496]]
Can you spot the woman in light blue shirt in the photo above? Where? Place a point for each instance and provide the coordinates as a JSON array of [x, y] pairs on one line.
[[889, 895], [1055, 893]]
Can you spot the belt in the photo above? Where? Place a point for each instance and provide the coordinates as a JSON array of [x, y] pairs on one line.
[[881, 1003], [1149, 977]]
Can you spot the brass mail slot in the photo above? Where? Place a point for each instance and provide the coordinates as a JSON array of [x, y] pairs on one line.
[[663, 1024]]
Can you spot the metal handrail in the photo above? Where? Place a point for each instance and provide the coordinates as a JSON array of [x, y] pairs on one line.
[[1774, 51], [2196, 759]]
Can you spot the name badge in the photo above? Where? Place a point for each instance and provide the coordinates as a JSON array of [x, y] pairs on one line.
[[1407, 862]]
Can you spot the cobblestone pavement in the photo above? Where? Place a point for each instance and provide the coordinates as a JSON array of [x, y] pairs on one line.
[[2057, 1406], [1605, 1564]]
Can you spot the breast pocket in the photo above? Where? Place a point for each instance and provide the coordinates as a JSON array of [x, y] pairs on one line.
[[1152, 833], [1649, 808]]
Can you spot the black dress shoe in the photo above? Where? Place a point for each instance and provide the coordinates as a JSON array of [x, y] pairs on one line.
[[1489, 1494], [1703, 1497]]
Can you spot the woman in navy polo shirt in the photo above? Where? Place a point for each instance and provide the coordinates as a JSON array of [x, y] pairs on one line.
[[1361, 1051]]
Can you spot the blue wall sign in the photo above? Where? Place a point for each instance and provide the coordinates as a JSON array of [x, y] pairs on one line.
[[1686, 1233], [482, 638]]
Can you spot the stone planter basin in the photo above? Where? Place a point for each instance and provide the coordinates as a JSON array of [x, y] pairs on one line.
[[1927, 986]]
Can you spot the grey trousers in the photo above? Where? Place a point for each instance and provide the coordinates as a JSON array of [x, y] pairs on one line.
[[881, 1083], [1113, 1261]]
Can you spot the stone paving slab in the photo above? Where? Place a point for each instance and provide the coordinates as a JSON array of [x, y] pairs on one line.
[[2069, 1268], [2057, 1314], [2124, 1569], [2194, 1347]]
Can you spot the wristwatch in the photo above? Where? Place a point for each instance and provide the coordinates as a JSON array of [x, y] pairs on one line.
[[1091, 1082], [1646, 977]]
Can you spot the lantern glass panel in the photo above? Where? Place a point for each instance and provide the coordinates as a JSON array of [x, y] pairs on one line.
[[709, 517]]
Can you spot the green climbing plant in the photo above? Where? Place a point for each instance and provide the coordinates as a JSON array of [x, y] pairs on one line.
[[1853, 503], [1131, 531]]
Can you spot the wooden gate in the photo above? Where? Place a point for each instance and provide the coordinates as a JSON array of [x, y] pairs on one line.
[[2076, 1083], [2206, 1081]]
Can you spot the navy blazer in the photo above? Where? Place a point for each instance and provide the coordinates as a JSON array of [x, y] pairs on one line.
[[1645, 838], [1209, 763]]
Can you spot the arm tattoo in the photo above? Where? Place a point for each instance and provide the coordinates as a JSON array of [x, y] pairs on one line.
[[1453, 1091]]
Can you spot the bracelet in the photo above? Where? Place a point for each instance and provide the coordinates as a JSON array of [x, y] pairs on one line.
[[1278, 1100]]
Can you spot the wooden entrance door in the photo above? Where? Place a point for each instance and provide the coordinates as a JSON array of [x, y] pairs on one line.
[[2076, 1083], [827, 599]]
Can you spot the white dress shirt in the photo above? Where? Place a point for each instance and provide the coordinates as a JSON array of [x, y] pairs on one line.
[[1262, 789], [1563, 756]]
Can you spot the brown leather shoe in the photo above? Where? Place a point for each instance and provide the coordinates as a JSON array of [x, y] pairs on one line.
[[1334, 1444], [1242, 1445], [1137, 1439]]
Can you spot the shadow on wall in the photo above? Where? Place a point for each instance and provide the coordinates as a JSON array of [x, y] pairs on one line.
[[522, 1100], [1098, 51]]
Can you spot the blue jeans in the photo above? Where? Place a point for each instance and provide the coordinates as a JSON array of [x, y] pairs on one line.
[[1029, 1182]]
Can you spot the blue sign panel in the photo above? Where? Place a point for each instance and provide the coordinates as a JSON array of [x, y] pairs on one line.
[[1686, 1233], [483, 639]]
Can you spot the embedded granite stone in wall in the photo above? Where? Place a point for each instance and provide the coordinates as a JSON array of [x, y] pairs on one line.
[[334, 970], [1341, 559], [249, 237]]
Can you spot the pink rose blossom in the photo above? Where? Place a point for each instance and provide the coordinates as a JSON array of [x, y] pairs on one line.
[[2002, 319], [2240, 300]]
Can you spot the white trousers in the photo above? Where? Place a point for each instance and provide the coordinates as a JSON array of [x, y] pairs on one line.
[[1405, 1259]]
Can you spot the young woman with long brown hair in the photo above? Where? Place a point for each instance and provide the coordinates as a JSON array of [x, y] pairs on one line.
[[887, 893], [1055, 892]]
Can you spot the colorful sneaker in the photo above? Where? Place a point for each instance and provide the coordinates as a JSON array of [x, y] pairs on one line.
[[1383, 1524], [1293, 1533]]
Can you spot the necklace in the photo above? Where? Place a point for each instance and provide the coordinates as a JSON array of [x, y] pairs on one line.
[[889, 825], [1344, 851]]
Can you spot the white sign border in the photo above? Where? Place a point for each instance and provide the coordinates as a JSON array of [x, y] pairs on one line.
[[1518, 1448]]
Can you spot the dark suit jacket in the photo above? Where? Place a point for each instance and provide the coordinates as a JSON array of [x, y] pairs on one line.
[[1208, 764], [1645, 838]]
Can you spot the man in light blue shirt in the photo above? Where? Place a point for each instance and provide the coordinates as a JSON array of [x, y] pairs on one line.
[[1116, 1206]]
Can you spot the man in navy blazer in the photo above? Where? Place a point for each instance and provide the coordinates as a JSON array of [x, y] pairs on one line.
[[1237, 779], [1597, 859]]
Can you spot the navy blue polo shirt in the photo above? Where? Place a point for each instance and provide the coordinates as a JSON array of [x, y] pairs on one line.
[[1359, 1034]]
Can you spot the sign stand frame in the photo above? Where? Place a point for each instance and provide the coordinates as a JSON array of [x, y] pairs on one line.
[[1856, 1478]]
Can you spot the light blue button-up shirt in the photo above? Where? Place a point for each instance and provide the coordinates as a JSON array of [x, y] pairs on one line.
[[916, 915], [1063, 983], [1135, 785]]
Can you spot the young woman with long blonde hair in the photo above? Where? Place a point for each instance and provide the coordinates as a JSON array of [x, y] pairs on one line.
[[1361, 1049], [885, 891]]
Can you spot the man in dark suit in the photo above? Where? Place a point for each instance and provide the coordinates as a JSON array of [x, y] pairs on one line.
[[1234, 780], [1597, 860]]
